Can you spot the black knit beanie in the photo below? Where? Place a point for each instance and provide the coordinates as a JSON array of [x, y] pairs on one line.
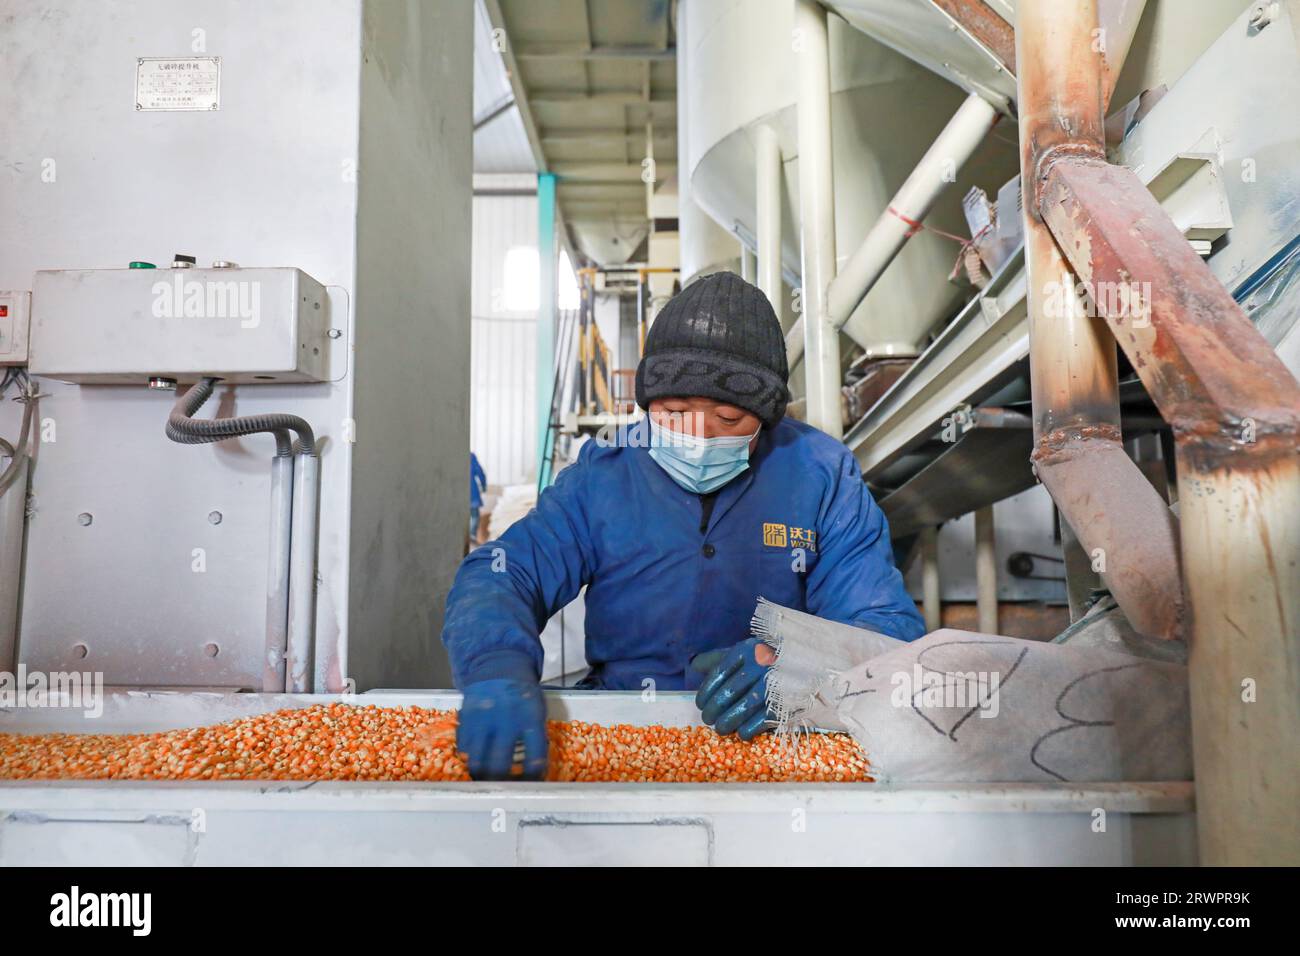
[[717, 338]]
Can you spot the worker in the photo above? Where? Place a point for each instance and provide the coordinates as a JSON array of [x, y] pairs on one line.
[[676, 527], [477, 485]]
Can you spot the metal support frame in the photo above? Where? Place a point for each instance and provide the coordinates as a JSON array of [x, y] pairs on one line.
[[931, 591], [817, 214], [986, 571], [1120, 519], [547, 309], [1080, 579], [985, 26]]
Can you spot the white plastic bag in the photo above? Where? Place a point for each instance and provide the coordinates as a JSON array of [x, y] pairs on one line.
[[961, 706]]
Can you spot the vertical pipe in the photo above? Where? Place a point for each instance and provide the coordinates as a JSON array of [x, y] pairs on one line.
[[748, 264], [548, 265], [986, 571], [1119, 22], [1073, 365], [609, 354], [930, 602], [589, 348], [1241, 542], [13, 518], [302, 577], [1121, 521], [767, 156], [640, 312], [277, 584], [584, 316], [912, 203], [817, 213], [936, 171]]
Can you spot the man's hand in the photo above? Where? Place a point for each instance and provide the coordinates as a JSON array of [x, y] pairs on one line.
[[495, 716], [733, 697]]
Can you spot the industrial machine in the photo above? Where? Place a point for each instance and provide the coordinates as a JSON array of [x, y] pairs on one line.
[[1117, 344], [266, 205], [282, 191]]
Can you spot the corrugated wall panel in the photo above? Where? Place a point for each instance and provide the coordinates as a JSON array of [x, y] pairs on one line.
[[503, 344], [502, 420]]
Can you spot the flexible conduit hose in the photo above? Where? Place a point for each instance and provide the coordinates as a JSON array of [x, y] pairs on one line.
[[184, 428], [291, 599], [7, 451], [17, 454]]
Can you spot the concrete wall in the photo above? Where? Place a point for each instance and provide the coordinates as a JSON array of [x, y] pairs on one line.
[[410, 471]]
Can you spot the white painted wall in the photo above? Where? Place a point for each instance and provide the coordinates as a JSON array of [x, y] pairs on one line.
[[341, 147]]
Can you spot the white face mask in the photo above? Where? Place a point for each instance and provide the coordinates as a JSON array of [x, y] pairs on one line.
[[699, 465]]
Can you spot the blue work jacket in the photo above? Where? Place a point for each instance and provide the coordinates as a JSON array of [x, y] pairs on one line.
[[797, 527], [477, 482]]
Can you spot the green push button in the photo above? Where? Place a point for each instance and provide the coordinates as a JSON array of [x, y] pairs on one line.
[[142, 265]]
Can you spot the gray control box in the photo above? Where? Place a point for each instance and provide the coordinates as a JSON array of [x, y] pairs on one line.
[[124, 326]]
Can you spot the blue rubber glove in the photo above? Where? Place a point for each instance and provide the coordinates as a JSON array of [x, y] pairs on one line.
[[495, 716], [733, 697]]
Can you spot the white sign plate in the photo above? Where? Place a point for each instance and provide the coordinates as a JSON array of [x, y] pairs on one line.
[[181, 83]]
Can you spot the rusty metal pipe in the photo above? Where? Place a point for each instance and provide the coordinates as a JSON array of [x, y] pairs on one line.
[[1106, 499], [1235, 413], [1118, 517]]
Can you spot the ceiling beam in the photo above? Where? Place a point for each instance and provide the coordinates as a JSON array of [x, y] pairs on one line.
[[602, 192], [598, 136], [606, 172], [578, 51], [539, 97]]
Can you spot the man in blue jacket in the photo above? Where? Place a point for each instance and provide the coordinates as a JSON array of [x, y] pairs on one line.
[[676, 528], [477, 485]]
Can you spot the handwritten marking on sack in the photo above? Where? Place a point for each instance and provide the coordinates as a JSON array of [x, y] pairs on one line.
[[987, 703], [848, 691], [1074, 723]]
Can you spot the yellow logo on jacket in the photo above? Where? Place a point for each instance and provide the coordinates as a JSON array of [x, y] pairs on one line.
[[777, 535]]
